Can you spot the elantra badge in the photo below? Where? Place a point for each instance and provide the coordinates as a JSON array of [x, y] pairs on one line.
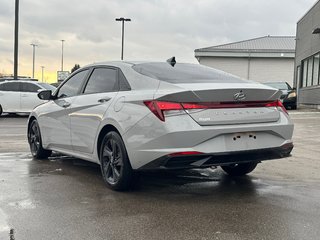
[[239, 96]]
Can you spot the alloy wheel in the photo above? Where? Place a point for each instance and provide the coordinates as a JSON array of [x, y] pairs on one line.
[[34, 138], [112, 160]]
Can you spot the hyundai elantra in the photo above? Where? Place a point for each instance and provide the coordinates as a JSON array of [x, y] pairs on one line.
[[133, 116]]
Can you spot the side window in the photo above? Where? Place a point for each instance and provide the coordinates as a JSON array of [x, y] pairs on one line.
[[102, 80], [72, 86], [10, 86], [123, 83], [29, 87]]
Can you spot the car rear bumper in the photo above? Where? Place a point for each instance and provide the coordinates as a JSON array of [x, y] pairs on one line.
[[218, 159]]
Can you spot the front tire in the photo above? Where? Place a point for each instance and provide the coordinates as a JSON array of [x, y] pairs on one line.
[[239, 169], [35, 143], [115, 166], [1, 111]]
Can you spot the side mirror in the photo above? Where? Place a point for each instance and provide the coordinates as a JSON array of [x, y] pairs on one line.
[[45, 95]]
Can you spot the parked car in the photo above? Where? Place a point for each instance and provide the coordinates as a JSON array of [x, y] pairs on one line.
[[288, 96], [130, 116], [56, 84], [20, 96], [2, 79]]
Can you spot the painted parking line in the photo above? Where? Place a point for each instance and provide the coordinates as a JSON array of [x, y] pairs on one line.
[[304, 113]]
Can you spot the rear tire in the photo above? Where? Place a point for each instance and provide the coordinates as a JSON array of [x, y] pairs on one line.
[[35, 143], [239, 169], [116, 169]]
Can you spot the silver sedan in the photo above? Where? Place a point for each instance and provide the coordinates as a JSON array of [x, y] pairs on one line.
[[131, 116]]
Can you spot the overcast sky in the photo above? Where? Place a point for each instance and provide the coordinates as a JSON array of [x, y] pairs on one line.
[[159, 29]]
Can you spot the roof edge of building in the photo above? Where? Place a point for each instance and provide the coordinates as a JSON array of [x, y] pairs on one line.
[[242, 41], [282, 54], [247, 50]]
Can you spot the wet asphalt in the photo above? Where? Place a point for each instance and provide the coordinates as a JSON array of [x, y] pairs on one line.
[[65, 198]]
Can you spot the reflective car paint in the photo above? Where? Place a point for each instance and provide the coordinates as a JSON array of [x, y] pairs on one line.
[[76, 129]]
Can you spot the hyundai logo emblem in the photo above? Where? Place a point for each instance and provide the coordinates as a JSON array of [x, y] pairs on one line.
[[239, 96]]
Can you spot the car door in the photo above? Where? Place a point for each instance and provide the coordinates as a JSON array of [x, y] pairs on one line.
[[10, 97], [88, 109], [55, 123], [29, 96]]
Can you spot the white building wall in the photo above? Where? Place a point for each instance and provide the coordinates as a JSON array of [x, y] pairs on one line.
[[235, 66], [272, 70], [257, 69]]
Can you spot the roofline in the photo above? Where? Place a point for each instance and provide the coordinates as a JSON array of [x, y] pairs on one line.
[[221, 45], [308, 11], [18, 80], [248, 50], [245, 54]]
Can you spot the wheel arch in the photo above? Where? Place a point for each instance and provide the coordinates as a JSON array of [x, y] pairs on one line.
[[107, 128], [31, 119]]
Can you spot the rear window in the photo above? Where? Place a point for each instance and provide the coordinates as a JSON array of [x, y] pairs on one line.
[[185, 73], [279, 85], [47, 86]]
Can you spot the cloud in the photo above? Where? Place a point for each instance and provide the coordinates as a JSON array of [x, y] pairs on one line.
[[159, 28]]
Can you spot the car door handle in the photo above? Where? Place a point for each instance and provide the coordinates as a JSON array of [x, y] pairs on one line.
[[103, 100], [24, 95], [66, 104]]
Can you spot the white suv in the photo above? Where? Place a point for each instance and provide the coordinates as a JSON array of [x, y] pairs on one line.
[[20, 96]]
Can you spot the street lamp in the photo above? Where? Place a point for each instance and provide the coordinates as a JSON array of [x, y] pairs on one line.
[[33, 57], [122, 20], [62, 42], [16, 40], [42, 67]]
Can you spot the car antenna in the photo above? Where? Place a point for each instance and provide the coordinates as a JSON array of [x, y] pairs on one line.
[[172, 61]]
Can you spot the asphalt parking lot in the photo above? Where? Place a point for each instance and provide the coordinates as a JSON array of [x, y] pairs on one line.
[[65, 198]]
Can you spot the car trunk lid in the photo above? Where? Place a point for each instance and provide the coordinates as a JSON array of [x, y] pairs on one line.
[[215, 104]]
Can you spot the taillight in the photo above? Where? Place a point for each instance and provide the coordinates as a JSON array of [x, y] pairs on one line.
[[158, 107], [280, 105], [177, 154]]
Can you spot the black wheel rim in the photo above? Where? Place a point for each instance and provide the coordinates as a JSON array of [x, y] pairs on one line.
[[233, 165], [112, 161], [34, 138]]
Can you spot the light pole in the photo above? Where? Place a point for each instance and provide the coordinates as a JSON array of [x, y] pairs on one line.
[[62, 42], [16, 40], [42, 67], [122, 20], [33, 57]]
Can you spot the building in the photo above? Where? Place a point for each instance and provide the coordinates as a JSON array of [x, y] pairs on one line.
[[263, 59], [307, 66]]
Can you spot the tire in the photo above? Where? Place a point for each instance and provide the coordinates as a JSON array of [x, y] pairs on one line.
[[1, 111], [35, 143], [239, 169], [116, 169]]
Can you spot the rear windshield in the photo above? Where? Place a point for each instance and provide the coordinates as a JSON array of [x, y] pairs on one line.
[[185, 73], [279, 85], [47, 86]]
